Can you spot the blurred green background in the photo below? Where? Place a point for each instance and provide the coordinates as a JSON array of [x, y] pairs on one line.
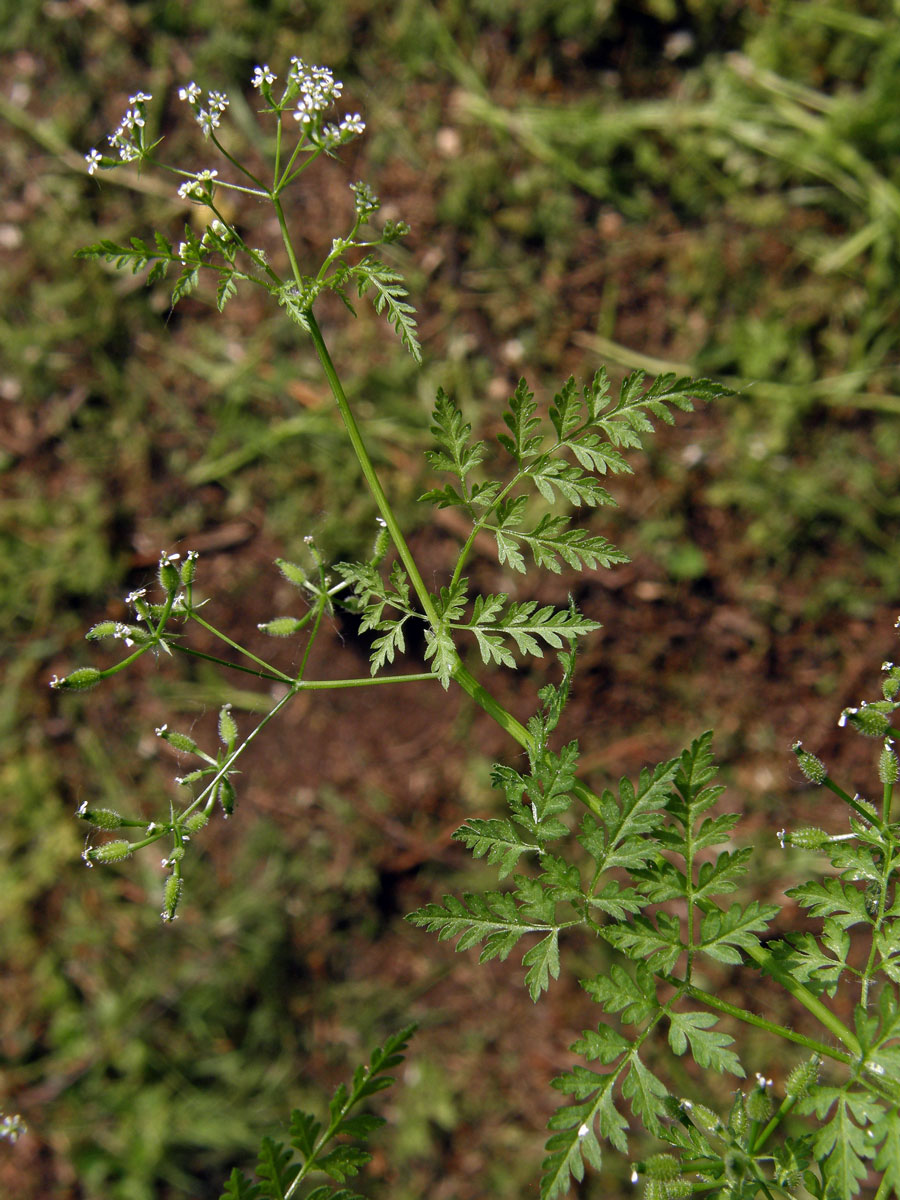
[[694, 185]]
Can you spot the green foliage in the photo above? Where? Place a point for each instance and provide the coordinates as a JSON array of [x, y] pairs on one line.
[[642, 871], [280, 1174]]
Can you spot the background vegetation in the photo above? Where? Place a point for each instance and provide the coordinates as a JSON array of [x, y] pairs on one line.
[[703, 182]]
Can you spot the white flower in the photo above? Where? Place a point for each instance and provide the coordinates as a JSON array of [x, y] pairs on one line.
[[208, 121], [140, 98], [353, 123], [189, 93], [93, 161], [262, 75], [217, 102]]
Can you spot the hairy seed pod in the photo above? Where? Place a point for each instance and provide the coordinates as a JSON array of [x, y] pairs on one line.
[[189, 567], [171, 895], [228, 729], [106, 629], [662, 1166], [111, 852], [813, 768], [803, 1077], [808, 839], [101, 818], [759, 1105], [79, 681], [226, 796], [168, 572], [281, 626], [196, 821], [888, 768], [868, 721], [180, 741], [382, 543]]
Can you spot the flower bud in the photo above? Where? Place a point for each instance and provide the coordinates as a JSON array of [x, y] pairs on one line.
[[79, 681]]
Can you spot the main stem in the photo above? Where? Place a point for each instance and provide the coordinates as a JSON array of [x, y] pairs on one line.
[[464, 678]]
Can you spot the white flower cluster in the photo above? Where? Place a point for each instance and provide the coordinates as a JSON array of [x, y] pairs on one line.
[[365, 200], [198, 188], [12, 1127], [317, 86], [313, 90], [128, 139], [208, 117]]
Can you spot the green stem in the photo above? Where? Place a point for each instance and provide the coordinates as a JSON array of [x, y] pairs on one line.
[[325, 685], [240, 649], [368, 470], [232, 758], [782, 1031]]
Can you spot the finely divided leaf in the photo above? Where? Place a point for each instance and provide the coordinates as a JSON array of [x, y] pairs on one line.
[[633, 996], [390, 294], [646, 1092], [886, 1135], [621, 837], [498, 839], [523, 424], [708, 1047], [552, 541], [459, 455], [524, 624], [660, 943], [275, 1167], [842, 1144], [542, 961], [497, 920], [239, 1187], [832, 898], [342, 1162], [724, 934]]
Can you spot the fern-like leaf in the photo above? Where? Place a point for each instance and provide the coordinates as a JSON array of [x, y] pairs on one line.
[[390, 296]]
